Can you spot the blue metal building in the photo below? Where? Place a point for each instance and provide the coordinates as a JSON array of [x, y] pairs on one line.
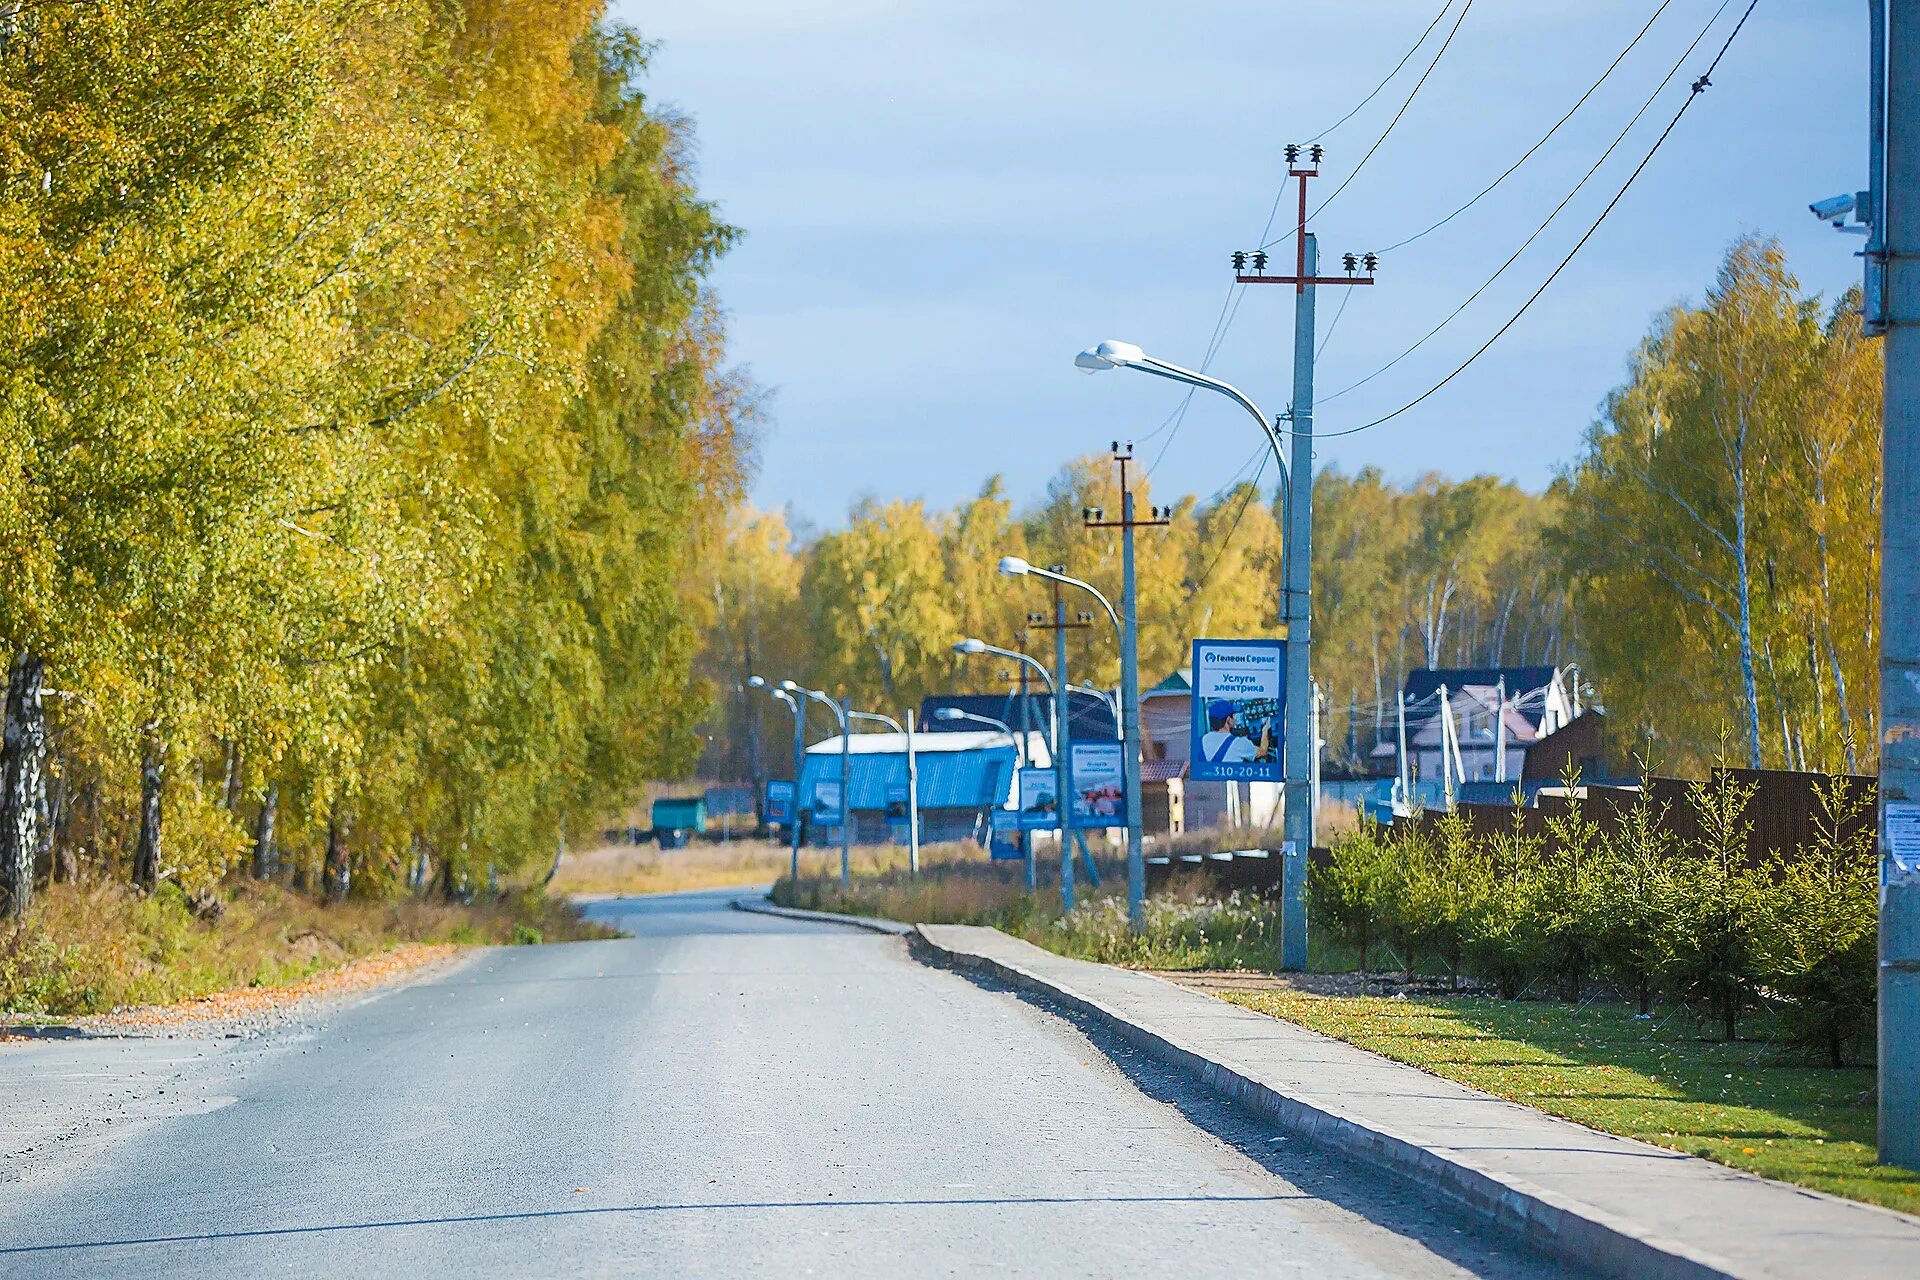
[[962, 776]]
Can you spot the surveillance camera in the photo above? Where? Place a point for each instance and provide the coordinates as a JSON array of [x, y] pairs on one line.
[[1833, 209]]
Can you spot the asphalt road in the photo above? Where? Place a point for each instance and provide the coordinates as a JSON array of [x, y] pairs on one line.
[[722, 1094]]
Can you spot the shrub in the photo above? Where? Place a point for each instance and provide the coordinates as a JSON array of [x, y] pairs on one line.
[[1346, 898], [1721, 909], [1634, 901], [1502, 943], [1819, 947]]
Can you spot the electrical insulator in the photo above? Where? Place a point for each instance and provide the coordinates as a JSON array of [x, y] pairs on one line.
[[1293, 153], [1260, 260], [1315, 152], [1350, 262], [1372, 260], [1239, 261]]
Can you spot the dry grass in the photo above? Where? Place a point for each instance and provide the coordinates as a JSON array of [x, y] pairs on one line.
[[625, 869], [99, 945]]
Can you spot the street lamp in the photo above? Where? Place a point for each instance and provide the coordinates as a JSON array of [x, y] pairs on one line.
[[799, 757], [1295, 613], [1129, 719], [971, 647], [954, 715], [1057, 747], [913, 783], [842, 712], [1105, 695]]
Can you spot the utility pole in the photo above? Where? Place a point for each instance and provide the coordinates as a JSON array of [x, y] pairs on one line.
[[799, 762], [1500, 730], [1296, 596], [1026, 738], [845, 709], [913, 802], [1063, 736], [1131, 746], [1893, 248]]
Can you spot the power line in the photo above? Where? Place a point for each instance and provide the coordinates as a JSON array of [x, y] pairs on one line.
[[1345, 297], [1699, 86], [1539, 230], [1384, 133], [1544, 138], [1253, 491], [1404, 59], [1229, 306]]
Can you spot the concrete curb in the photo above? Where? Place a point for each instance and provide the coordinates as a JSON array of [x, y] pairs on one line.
[[872, 924], [1553, 1223]]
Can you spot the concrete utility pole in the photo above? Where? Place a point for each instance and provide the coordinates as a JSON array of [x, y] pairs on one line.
[[1130, 680], [1894, 247], [913, 802], [1063, 748], [1296, 606]]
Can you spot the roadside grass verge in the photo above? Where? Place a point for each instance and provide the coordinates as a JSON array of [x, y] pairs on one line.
[[97, 945], [1754, 1104], [1751, 1104], [631, 869], [1188, 925]]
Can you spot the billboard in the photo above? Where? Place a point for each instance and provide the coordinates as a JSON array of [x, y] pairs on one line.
[[1004, 843], [1039, 799], [826, 801], [1239, 697], [780, 801], [1098, 778]]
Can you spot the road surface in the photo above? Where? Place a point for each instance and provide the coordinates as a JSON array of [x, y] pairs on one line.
[[722, 1094]]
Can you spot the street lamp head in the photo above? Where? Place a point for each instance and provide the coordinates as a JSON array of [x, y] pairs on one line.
[[970, 646], [1014, 566], [1108, 355], [949, 714], [788, 686], [756, 682]]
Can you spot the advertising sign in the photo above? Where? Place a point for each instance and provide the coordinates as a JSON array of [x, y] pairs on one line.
[[1239, 695], [826, 801], [1039, 799], [1005, 827], [779, 801], [1099, 785], [897, 802]]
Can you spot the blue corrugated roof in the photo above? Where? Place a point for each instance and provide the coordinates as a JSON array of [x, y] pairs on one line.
[[948, 779]]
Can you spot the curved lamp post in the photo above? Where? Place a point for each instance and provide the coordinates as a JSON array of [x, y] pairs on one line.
[[1056, 739], [1296, 487], [799, 757], [913, 783], [1129, 723], [842, 713]]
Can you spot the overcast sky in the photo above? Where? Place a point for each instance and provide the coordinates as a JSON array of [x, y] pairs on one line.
[[943, 202]]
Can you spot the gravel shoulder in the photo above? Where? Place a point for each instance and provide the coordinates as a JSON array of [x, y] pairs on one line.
[[75, 1086]]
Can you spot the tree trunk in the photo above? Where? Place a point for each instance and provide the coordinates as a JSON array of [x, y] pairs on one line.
[[1743, 589], [266, 859], [231, 788], [146, 849], [449, 885], [337, 876], [22, 784]]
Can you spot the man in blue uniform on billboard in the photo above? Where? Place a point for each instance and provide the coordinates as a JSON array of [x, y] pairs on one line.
[[1223, 744]]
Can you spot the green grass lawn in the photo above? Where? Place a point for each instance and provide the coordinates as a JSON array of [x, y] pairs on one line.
[[1746, 1104]]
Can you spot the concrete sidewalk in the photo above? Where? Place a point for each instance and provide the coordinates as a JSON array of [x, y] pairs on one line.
[[1624, 1207]]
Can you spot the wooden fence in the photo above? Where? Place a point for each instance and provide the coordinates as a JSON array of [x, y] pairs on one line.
[[1784, 815]]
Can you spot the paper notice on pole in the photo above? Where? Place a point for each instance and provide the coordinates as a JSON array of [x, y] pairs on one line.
[[1900, 823]]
